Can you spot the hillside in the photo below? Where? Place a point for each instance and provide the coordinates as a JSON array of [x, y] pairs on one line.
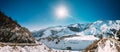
[[104, 45], [11, 31]]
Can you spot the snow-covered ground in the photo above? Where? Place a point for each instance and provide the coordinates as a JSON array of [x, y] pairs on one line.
[[105, 45], [31, 49], [24, 49], [109, 46], [75, 43]]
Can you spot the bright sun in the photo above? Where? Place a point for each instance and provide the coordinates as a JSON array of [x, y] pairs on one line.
[[61, 12]]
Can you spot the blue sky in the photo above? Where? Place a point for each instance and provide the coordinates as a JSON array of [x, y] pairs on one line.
[[37, 14]]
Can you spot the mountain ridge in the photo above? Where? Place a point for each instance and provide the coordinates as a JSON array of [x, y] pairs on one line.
[[11, 31], [78, 36], [86, 29]]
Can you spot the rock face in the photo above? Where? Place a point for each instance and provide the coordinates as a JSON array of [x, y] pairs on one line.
[[118, 35], [11, 31], [104, 45]]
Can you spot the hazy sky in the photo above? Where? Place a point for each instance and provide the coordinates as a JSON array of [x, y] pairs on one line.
[[37, 14]]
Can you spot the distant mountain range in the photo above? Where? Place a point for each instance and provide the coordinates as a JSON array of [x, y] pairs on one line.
[[78, 36], [96, 28]]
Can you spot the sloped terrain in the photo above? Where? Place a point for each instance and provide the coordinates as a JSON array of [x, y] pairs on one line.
[[104, 45], [22, 47], [14, 38], [39, 48], [11, 31]]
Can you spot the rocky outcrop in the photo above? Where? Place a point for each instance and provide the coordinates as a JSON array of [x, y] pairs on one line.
[[104, 45], [11, 31]]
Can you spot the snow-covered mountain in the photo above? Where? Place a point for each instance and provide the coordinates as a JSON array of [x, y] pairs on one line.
[[95, 28], [77, 36], [61, 30]]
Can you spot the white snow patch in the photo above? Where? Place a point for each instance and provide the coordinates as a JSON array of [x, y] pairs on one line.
[[90, 37], [108, 46]]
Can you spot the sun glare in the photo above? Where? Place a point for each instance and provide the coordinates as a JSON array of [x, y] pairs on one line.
[[61, 12]]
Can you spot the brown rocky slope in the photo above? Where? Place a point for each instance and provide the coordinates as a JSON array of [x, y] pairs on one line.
[[12, 32]]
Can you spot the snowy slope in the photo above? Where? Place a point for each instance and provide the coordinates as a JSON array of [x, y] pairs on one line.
[[54, 31], [38, 48], [24, 49], [102, 27], [60, 31], [77, 36], [105, 45]]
